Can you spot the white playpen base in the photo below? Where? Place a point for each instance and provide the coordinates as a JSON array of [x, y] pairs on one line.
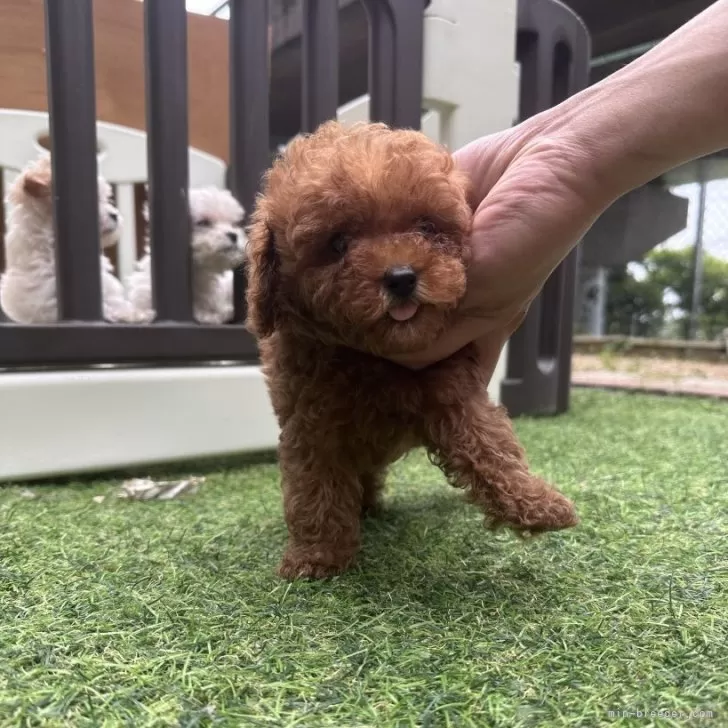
[[494, 387], [60, 423], [57, 423]]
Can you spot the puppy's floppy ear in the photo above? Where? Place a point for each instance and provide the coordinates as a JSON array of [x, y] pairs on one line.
[[263, 271], [37, 181]]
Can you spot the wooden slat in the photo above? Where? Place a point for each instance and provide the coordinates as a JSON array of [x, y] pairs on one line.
[[169, 218], [72, 105]]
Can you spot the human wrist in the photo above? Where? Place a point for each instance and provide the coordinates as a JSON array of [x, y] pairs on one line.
[[607, 135], [600, 134], [657, 113]]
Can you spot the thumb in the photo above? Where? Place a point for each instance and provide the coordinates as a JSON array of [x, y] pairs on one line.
[[479, 161]]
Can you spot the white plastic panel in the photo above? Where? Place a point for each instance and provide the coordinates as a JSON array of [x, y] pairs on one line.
[[122, 150], [68, 422]]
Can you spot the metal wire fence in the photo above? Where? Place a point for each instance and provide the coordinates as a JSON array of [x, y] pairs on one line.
[[679, 288]]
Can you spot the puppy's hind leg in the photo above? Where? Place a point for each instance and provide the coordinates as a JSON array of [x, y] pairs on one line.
[[372, 485], [322, 499], [475, 446]]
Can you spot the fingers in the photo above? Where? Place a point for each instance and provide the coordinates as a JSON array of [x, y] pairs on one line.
[[462, 333]]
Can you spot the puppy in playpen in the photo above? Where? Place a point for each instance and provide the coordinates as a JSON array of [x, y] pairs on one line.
[[358, 252], [28, 286], [218, 247]]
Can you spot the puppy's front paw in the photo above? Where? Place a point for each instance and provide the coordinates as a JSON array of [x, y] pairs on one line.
[[540, 508], [313, 564]]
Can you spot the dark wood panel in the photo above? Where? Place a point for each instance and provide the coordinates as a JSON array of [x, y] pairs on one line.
[[287, 64], [82, 344]]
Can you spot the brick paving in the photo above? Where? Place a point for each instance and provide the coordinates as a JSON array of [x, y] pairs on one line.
[[691, 386]]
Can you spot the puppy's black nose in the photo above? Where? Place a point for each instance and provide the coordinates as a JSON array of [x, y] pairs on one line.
[[114, 215], [232, 237], [401, 281]]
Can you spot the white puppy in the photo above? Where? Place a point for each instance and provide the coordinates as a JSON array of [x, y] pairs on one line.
[[28, 286], [218, 246]]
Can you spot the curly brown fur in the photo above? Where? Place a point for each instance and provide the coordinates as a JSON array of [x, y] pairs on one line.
[[339, 211]]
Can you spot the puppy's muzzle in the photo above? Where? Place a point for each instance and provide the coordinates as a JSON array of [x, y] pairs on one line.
[[400, 282]]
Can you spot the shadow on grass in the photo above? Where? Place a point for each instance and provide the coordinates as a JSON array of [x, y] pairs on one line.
[[424, 554], [441, 574]]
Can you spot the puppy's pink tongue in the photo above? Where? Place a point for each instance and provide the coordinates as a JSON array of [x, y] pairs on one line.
[[403, 312]]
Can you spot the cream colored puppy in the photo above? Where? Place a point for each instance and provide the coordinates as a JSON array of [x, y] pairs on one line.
[[218, 246], [28, 285]]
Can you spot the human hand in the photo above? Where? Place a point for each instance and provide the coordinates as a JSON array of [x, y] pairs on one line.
[[538, 187], [533, 198]]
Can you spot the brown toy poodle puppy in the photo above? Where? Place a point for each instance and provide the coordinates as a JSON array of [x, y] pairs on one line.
[[357, 250]]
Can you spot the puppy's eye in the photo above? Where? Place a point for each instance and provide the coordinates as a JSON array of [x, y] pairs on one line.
[[339, 243], [426, 226], [239, 223], [203, 222]]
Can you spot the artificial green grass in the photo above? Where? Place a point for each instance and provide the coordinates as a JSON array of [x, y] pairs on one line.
[[169, 613]]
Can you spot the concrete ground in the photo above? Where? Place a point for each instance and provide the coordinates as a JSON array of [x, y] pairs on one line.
[[609, 371]]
